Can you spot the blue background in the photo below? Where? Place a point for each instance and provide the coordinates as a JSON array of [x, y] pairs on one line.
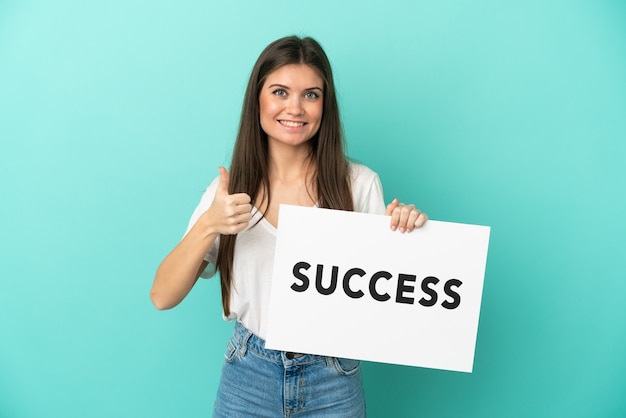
[[115, 115]]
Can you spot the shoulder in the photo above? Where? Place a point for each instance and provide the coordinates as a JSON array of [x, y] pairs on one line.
[[362, 174], [209, 193], [367, 191], [212, 187], [205, 202]]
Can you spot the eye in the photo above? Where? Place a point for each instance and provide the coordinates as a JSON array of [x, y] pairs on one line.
[[279, 92], [311, 95]]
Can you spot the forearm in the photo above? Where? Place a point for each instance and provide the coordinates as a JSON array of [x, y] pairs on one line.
[[180, 270]]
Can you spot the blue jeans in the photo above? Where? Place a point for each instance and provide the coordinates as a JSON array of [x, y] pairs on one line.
[[257, 382]]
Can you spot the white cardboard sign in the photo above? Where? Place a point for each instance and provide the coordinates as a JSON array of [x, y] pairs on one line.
[[345, 285]]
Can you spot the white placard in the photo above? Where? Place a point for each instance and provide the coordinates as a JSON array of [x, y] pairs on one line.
[[345, 285]]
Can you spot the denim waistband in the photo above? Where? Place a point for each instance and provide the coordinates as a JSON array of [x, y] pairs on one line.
[[245, 340]]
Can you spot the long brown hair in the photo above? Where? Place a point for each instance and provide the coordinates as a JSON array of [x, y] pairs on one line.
[[249, 167]]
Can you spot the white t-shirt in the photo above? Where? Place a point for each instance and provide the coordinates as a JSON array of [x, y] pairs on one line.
[[253, 261]]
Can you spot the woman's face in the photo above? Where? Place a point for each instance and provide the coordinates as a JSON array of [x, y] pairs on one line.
[[291, 103]]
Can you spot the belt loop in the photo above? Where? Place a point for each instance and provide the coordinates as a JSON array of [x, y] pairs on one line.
[[329, 361], [244, 343]]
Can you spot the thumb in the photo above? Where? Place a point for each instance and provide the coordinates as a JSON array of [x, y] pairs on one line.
[[222, 187]]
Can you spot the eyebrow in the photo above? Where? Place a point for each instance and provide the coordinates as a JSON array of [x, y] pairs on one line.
[[282, 86]]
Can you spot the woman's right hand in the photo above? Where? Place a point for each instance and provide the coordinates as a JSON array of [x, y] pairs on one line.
[[229, 214]]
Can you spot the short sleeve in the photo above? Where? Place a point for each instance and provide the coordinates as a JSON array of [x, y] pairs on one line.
[[367, 190], [205, 202]]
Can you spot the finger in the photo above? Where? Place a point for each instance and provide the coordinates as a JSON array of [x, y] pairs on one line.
[[413, 217], [421, 220], [405, 211], [393, 224], [222, 186], [232, 211], [238, 223], [391, 206], [245, 209], [243, 218], [239, 198], [235, 228]]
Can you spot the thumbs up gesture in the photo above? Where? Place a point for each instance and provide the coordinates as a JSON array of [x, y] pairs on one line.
[[229, 214]]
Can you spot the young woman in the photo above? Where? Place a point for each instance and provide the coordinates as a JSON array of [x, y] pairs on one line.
[[289, 150]]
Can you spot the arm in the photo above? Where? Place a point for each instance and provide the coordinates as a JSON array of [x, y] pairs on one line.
[[179, 271]]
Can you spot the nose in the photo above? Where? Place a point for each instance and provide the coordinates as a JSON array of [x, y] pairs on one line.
[[294, 106]]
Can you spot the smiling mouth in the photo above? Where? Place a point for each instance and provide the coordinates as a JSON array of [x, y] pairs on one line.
[[291, 124]]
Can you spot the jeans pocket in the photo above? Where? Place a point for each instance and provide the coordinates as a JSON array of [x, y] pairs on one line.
[[231, 351], [346, 366]]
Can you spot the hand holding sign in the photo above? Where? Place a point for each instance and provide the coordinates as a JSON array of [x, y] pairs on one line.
[[229, 214], [405, 218]]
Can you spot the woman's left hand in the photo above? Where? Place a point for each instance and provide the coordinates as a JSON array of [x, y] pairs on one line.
[[405, 218]]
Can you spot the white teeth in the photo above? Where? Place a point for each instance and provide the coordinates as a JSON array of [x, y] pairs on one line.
[[291, 124]]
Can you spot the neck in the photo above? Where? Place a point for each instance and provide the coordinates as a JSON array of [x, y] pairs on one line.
[[288, 163]]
